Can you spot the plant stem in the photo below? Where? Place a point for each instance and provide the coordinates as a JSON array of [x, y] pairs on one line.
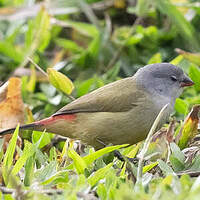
[[147, 143]]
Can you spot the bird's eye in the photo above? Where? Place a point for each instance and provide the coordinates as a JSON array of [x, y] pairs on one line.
[[173, 78]]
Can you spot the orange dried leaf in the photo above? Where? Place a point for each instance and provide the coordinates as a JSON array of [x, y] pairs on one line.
[[170, 131], [11, 107]]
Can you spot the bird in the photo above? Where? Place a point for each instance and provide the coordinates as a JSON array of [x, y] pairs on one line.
[[121, 112]]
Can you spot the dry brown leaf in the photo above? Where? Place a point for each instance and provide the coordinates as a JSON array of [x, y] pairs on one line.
[[11, 107], [170, 131]]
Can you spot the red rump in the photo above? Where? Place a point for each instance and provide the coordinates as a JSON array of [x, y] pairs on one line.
[[69, 118]]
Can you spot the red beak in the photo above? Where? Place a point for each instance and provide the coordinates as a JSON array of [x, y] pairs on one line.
[[186, 82]]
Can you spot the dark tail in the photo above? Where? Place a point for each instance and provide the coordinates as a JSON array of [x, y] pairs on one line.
[[31, 126]]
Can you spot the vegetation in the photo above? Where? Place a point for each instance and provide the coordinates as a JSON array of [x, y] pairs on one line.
[[92, 43]]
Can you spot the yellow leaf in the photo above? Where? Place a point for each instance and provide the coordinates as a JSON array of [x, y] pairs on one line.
[[189, 128], [167, 180], [79, 162], [177, 60], [134, 151], [32, 82], [156, 58], [60, 81], [149, 167], [119, 4]]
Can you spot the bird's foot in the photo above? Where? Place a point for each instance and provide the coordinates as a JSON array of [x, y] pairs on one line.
[[122, 158]]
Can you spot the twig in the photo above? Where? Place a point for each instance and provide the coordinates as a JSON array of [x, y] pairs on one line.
[[147, 143], [188, 172], [37, 66]]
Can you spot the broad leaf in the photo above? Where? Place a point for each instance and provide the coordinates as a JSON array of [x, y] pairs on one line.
[[60, 81]]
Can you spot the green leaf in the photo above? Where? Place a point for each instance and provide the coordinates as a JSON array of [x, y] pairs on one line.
[[69, 45], [101, 191], [99, 174], [194, 74], [83, 28], [133, 150], [195, 164], [46, 172], [58, 177], [8, 159], [177, 152], [79, 162], [32, 82], [184, 28], [177, 60], [156, 58], [9, 50], [84, 86], [142, 8], [29, 171], [38, 34], [60, 81], [165, 168], [90, 55], [45, 138], [135, 39], [8, 197], [112, 73], [28, 151], [93, 156], [149, 167], [177, 165], [93, 48], [181, 106], [185, 181], [89, 159]]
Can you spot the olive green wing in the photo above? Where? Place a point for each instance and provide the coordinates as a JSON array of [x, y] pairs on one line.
[[119, 96]]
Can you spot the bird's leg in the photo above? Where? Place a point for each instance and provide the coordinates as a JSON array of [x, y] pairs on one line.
[[133, 160], [118, 155], [101, 142]]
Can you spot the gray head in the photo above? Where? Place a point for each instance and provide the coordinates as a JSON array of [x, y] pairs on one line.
[[164, 79]]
